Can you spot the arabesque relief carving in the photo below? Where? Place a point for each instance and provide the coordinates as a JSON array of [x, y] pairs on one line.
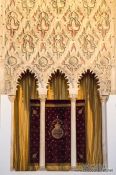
[[44, 36]]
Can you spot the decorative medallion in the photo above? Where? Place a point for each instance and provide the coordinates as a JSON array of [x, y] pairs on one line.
[[73, 61], [43, 62], [34, 112], [80, 111], [57, 132], [34, 156], [12, 61], [57, 129]]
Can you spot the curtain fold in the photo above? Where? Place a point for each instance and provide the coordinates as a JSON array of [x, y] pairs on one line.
[[26, 91], [58, 87], [88, 91]]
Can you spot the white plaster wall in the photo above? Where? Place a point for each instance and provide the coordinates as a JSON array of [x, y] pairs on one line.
[[5, 141]]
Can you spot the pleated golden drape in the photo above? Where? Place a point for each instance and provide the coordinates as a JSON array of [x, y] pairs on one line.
[[58, 87], [88, 91], [26, 91]]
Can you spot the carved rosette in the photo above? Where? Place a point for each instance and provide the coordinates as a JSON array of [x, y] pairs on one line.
[[43, 61], [73, 60]]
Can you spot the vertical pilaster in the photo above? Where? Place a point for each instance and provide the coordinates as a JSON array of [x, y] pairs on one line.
[[42, 132], [104, 99], [73, 132], [11, 98]]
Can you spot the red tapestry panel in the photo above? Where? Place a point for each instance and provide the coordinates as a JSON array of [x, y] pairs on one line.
[[34, 130], [80, 131], [58, 131]]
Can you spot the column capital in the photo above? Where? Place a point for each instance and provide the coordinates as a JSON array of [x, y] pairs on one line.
[[104, 98], [73, 97], [42, 97], [73, 92], [12, 98]]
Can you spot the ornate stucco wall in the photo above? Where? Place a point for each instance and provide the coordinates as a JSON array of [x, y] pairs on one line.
[[44, 36]]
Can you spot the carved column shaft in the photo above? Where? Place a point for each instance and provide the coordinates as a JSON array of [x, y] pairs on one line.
[[42, 132], [73, 133], [104, 99], [11, 98]]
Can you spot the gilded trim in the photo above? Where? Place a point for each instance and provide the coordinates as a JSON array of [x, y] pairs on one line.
[[58, 166]]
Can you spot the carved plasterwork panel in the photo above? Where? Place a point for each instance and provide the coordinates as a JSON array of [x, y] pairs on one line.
[[58, 40], [72, 21], [44, 36], [89, 5], [73, 60], [88, 41], [102, 18]]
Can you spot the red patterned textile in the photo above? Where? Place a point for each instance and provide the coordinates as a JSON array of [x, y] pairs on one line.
[[80, 131], [34, 130], [58, 131]]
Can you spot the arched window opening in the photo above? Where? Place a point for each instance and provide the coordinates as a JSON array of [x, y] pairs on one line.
[[58, 124], [26, 90], [58, 86], [88, 90]]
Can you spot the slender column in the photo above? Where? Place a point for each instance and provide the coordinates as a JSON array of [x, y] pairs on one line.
[[104, 99], [73, 132], [11, 98], [42, 132]]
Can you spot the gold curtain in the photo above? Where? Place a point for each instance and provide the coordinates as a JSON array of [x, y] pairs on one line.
[[26, 91], [89, 91], [57, 87]]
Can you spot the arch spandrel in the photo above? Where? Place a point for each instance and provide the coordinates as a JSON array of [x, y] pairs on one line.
[[18, 75]]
